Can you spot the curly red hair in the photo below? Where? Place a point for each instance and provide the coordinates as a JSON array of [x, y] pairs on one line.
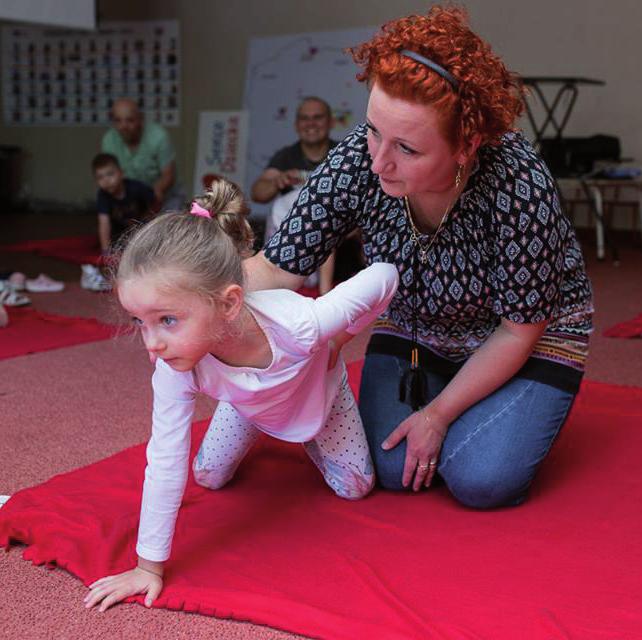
[[489, 98]]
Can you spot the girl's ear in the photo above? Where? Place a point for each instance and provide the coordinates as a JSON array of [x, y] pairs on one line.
[[230, 301], [468, 149]]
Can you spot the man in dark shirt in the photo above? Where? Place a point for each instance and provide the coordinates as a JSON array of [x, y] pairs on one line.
[[287, 171], [290, 166]]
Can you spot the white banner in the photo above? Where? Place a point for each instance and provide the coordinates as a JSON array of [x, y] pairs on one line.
[[76, 14], [222, 147]]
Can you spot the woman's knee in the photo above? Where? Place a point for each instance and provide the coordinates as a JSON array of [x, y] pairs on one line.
[[486, 490], [388, 467], [348, 481]]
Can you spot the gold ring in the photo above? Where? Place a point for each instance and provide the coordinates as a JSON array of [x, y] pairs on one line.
[[422, 467], [433, 462]]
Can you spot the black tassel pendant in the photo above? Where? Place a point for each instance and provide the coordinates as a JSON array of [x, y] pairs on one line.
[[413, 386]]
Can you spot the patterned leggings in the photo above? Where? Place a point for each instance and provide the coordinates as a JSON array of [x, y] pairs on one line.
[[339, 450]]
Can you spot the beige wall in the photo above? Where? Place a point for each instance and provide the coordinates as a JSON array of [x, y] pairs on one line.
[[550, 37]]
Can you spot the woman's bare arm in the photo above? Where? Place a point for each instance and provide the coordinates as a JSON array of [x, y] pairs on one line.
[[260, 273]]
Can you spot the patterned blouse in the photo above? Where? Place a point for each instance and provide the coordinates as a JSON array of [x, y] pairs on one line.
[[505, 251]]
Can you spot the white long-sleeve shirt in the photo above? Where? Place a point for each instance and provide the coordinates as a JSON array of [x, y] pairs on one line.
[[290, 399]]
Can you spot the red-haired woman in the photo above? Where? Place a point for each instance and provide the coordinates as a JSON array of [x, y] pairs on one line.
[[472, 370]]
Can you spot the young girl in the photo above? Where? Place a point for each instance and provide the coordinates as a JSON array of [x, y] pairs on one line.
[[269, 357]]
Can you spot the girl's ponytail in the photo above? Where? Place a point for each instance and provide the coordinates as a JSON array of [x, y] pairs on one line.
[[225, 203]]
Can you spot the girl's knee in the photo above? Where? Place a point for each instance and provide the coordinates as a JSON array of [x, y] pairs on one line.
[[210, 478], [356, 488], [350, 484]]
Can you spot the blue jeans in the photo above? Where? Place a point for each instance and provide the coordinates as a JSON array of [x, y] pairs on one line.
[[491, 452]]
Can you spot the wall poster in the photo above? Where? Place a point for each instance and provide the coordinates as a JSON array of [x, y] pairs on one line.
[[68, 77]]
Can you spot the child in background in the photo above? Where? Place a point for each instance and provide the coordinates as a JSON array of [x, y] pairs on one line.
[[120, 203], [271, 359]]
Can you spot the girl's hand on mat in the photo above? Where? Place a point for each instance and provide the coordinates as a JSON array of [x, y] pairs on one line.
[[112, 589], [424, 436]]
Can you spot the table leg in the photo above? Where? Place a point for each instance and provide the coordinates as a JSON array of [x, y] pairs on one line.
[[596, 194], [640, 213]]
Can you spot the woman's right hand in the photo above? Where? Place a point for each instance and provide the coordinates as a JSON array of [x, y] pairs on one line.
[[424, 434], [112, 589]]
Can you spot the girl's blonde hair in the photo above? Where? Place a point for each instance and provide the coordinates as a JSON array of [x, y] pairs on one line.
[[194, 253]]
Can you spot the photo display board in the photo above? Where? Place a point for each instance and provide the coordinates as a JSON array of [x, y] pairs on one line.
[[63, 77]]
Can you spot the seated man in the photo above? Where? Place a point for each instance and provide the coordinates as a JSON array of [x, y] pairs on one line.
[[144, 152], [291, 165], [289, 168]]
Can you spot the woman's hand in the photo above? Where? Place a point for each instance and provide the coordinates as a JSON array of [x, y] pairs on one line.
[[335, 347], [112, 589], [424, 434]]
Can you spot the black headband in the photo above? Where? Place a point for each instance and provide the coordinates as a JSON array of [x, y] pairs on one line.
[[446, 75]]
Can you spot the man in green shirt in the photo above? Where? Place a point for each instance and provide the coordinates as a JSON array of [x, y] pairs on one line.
[[144, 151]]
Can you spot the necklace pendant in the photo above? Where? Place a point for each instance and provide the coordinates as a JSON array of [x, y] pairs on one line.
[[423, 255]]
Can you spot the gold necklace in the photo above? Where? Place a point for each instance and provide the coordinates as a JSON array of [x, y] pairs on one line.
[[422, 252]]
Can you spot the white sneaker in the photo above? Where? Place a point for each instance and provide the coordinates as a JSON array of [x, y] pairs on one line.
[[10, 297], [43, 284], [92, 279]]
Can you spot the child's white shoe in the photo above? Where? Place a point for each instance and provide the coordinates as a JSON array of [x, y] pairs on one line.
[[43, 284], [10, 297], [92, 280]]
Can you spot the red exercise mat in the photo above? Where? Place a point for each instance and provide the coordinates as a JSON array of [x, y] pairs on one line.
[[75, 249], [629, 329], [276, 547], [31, 331]]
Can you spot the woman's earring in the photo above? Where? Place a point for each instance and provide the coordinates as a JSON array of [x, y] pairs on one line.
[[460, 170]]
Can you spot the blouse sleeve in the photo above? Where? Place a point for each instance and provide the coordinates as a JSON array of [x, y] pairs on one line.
[[327, 209], [529, 233], [167, 461]]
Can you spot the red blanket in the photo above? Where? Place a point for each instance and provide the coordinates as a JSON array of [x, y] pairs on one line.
[[629, 329], [76, 249], [277, 547], [31, 331]]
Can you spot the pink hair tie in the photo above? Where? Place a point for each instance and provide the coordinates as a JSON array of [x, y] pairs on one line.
[[197, 210]]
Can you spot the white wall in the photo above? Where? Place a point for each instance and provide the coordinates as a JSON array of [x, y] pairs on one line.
[[79, 14], [549, 37]]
